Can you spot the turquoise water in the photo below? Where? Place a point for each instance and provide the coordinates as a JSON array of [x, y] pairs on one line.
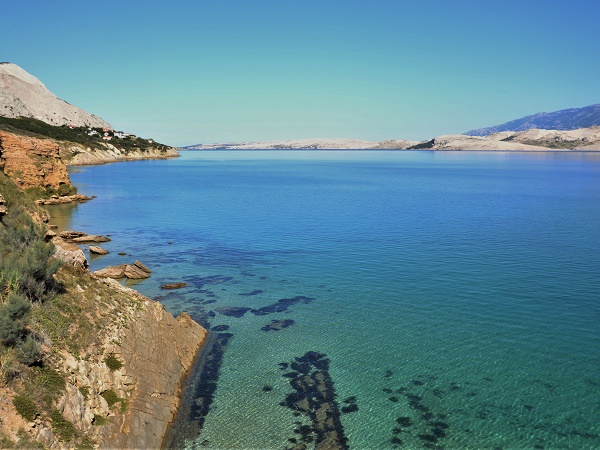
[[449, 287]]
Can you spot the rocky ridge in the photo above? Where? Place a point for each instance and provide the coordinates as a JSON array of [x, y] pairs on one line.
[[23, 95], [566, 119], [533, 140]]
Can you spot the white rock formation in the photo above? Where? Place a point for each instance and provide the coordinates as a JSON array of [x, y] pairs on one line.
[[22, 94]]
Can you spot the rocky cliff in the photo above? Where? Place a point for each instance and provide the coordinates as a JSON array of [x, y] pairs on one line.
[[23, 95], [33, 162]]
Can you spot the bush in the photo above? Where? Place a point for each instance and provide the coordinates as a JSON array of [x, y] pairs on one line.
[[112, 362], [26, 258], [25, 407], [13, 320], [28, 351], [111, 397], [61, 426], [53, 382]]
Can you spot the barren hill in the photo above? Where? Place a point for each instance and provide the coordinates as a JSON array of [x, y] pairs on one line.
[[23, 95]]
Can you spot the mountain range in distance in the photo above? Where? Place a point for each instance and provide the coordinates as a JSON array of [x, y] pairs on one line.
[[565, 119], [568, 129], [23, 95]]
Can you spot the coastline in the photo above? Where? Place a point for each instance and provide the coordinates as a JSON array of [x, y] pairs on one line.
[[173, 345]]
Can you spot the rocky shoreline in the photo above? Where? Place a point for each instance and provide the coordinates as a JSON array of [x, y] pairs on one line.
[[157, 352]]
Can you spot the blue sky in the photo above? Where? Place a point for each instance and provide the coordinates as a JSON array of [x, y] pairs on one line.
[[187, 72]]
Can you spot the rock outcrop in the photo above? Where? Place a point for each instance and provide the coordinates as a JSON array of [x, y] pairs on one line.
[[74, 154], [157, 350], [32, 162], [70, 254], [23, 95], [153, 350], [135, 271]]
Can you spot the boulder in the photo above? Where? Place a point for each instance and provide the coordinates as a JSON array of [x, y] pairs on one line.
[[115, 272], [70, 234], [94, 249], [134, 272], [49, 235], [91, 238], [141, 266]]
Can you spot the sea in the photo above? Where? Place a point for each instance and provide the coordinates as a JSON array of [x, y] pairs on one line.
[[369, 299]]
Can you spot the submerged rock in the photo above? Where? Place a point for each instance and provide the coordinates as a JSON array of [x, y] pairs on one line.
[[278, 325], [233, 311], [178, 285]]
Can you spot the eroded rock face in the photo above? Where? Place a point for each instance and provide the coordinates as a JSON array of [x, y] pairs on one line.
[[32, 162], [157, 350]]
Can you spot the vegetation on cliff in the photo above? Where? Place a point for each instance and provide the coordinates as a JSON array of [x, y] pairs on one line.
[[93, 138]]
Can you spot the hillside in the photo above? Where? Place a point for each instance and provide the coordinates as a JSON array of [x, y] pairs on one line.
[[85, 145], [566, 119], [534, 140], [28, 108], [23, 95]]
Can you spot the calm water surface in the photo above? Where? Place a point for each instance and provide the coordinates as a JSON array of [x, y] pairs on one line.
[[460, 290]]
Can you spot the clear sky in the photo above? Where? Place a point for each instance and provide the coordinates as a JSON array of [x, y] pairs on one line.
[[194, 71]]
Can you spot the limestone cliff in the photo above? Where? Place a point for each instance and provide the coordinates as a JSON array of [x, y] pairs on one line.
[[33, 162], [75, 154]]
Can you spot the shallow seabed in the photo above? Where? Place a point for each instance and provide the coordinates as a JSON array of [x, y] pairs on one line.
[[455, 295]]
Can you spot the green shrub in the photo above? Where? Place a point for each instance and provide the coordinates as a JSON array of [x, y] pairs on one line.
[[51, 381], [112, 362], [100, 420], [25, 407], [13, 319], [111, 397], [28, 351], [62, 427], [85, 391]]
